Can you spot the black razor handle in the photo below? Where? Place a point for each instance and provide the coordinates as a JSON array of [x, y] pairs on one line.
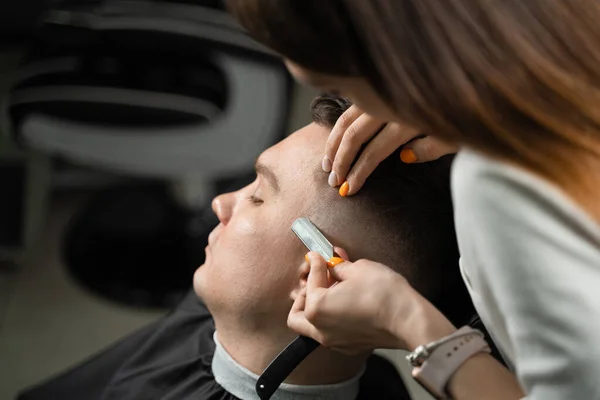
[[283, 365]]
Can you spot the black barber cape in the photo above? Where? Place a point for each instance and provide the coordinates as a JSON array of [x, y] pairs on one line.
[[171, 360]]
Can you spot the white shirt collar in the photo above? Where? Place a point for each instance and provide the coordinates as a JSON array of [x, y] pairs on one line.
[[240, 382]]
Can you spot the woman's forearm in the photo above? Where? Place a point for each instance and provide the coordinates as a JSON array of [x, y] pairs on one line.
[[482, 377]]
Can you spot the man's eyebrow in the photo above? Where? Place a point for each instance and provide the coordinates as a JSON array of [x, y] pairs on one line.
[[264, 170]]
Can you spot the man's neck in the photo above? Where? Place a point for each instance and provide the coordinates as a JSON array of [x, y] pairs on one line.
[[256, 350]]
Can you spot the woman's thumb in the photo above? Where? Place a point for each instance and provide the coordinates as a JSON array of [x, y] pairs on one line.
[[317, 277], [426, 149], [341, 271]]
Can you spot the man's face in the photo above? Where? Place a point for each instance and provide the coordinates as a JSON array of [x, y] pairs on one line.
[[254, 263]]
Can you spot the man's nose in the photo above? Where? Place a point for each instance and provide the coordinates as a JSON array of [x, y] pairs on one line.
[[222, 205]]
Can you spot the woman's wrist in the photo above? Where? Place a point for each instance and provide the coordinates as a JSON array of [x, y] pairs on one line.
[[418, 322], [482, 376]]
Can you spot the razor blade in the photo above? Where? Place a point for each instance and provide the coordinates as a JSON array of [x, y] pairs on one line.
[[312, 237]]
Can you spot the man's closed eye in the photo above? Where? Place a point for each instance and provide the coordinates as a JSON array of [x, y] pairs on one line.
[[255, 200]]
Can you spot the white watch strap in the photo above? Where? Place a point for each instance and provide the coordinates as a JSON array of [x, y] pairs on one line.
[[435, 372]]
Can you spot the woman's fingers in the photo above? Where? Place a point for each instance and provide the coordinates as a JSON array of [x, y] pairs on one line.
[[304, 308], [341, 271], [426, 149], [360, 132], [336, 135], [297, 321], [299, 324], [341, 252], [355, 128], [370, 306], [381, 147], [317, 277], [299, 303]]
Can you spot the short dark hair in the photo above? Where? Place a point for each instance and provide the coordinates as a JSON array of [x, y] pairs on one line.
[[413, 205]]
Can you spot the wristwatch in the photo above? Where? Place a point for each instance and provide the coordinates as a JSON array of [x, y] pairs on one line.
[[434, 363]]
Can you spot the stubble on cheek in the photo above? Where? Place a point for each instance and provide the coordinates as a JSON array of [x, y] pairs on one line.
[[247, 241]]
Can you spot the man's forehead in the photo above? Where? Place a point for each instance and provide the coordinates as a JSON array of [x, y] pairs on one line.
[[302, 149]]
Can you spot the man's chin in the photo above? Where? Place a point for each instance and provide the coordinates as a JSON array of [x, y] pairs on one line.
[[198, 280]]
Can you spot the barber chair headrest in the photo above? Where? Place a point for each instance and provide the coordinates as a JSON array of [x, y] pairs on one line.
[[161, 89]]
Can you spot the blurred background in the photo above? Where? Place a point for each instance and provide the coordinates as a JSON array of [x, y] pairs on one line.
[[119, 122]]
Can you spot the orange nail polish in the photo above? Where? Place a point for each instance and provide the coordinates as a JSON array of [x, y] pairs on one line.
[[408, 156], [333, 261], [344, 189], [306, 258]]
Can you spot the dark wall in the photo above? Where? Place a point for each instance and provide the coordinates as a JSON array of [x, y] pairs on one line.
[[18, 17]]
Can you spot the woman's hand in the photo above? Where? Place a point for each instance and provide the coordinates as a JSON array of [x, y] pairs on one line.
[[354, 128], [369, 306]]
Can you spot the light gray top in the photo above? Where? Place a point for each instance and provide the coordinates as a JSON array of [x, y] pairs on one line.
[[531, 260], [241, 382]]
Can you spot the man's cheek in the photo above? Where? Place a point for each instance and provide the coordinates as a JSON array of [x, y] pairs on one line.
[[244, 228]]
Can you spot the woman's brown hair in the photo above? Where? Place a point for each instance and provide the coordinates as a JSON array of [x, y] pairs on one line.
[[516, 79]]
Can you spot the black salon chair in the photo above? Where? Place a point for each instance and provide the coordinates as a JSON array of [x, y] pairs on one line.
[[90, 379], [172, 94]]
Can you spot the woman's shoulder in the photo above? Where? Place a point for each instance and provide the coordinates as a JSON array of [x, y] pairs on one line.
[[491, 189], [530, 256], [474, 173]]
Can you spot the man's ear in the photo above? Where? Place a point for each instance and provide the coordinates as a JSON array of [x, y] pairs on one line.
[[302, 277]]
